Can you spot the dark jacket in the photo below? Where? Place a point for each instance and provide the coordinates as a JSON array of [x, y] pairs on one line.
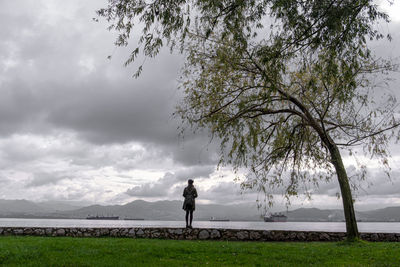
[[190, 193]]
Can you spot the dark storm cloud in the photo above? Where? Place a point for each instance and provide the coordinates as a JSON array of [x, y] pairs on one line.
[[120, 113], [102, 106], [196, 149], [55, 75]]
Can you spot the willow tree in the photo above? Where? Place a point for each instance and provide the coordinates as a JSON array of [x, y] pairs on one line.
[[287, 85]]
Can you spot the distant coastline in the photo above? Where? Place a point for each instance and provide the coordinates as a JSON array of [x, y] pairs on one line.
[[22, 216], [172, 211]]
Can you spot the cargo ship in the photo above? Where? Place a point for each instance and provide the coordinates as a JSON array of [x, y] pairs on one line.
[[97, 217], [213, 219]]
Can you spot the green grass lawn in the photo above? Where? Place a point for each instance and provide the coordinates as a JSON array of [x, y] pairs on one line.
[[65, 251]]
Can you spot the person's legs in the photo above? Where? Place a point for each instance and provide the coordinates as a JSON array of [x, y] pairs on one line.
[[191, 217], [186, 217]]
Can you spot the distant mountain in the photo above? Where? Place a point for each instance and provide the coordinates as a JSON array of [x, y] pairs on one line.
[[238, 212], [314, 215], [172, 210], [59, 205], [168, 210], [390, 214], [385, 215], [8, 207]]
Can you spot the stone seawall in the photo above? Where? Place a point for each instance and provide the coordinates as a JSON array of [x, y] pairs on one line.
[[194, 234]]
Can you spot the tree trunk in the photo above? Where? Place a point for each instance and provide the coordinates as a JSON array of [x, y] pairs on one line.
[[349, 214]]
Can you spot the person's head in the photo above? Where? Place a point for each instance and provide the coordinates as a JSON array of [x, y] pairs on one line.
[[190, 182]]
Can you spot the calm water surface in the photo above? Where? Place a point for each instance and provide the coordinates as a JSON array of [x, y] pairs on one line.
[[380, 227]]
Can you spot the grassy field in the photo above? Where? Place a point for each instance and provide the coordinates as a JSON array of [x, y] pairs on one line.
[[51, 251]]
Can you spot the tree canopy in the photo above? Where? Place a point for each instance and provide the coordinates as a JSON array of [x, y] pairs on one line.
[[286, 84]]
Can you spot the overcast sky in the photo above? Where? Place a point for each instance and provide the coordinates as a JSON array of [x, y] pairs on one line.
[[75, 126]]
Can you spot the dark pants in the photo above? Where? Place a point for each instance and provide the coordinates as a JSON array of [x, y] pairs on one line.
[[189, 211]]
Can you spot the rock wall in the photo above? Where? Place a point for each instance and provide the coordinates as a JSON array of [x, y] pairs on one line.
[[196, 234]]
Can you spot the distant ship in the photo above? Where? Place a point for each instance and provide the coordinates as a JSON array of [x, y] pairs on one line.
[[212, 219], [97, 217], [276, 217], [134, 219]]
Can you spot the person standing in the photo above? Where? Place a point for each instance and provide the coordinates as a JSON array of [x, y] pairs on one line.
[[189, 205]]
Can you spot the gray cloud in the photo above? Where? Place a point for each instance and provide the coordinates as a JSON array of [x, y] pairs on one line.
[[4, 179], [43, 178], [379, 184], [224, 193], [167, 184], [194, 172], [376, 184], [150, 190]]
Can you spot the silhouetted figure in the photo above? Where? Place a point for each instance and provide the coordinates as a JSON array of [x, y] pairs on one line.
[[189, 204]]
